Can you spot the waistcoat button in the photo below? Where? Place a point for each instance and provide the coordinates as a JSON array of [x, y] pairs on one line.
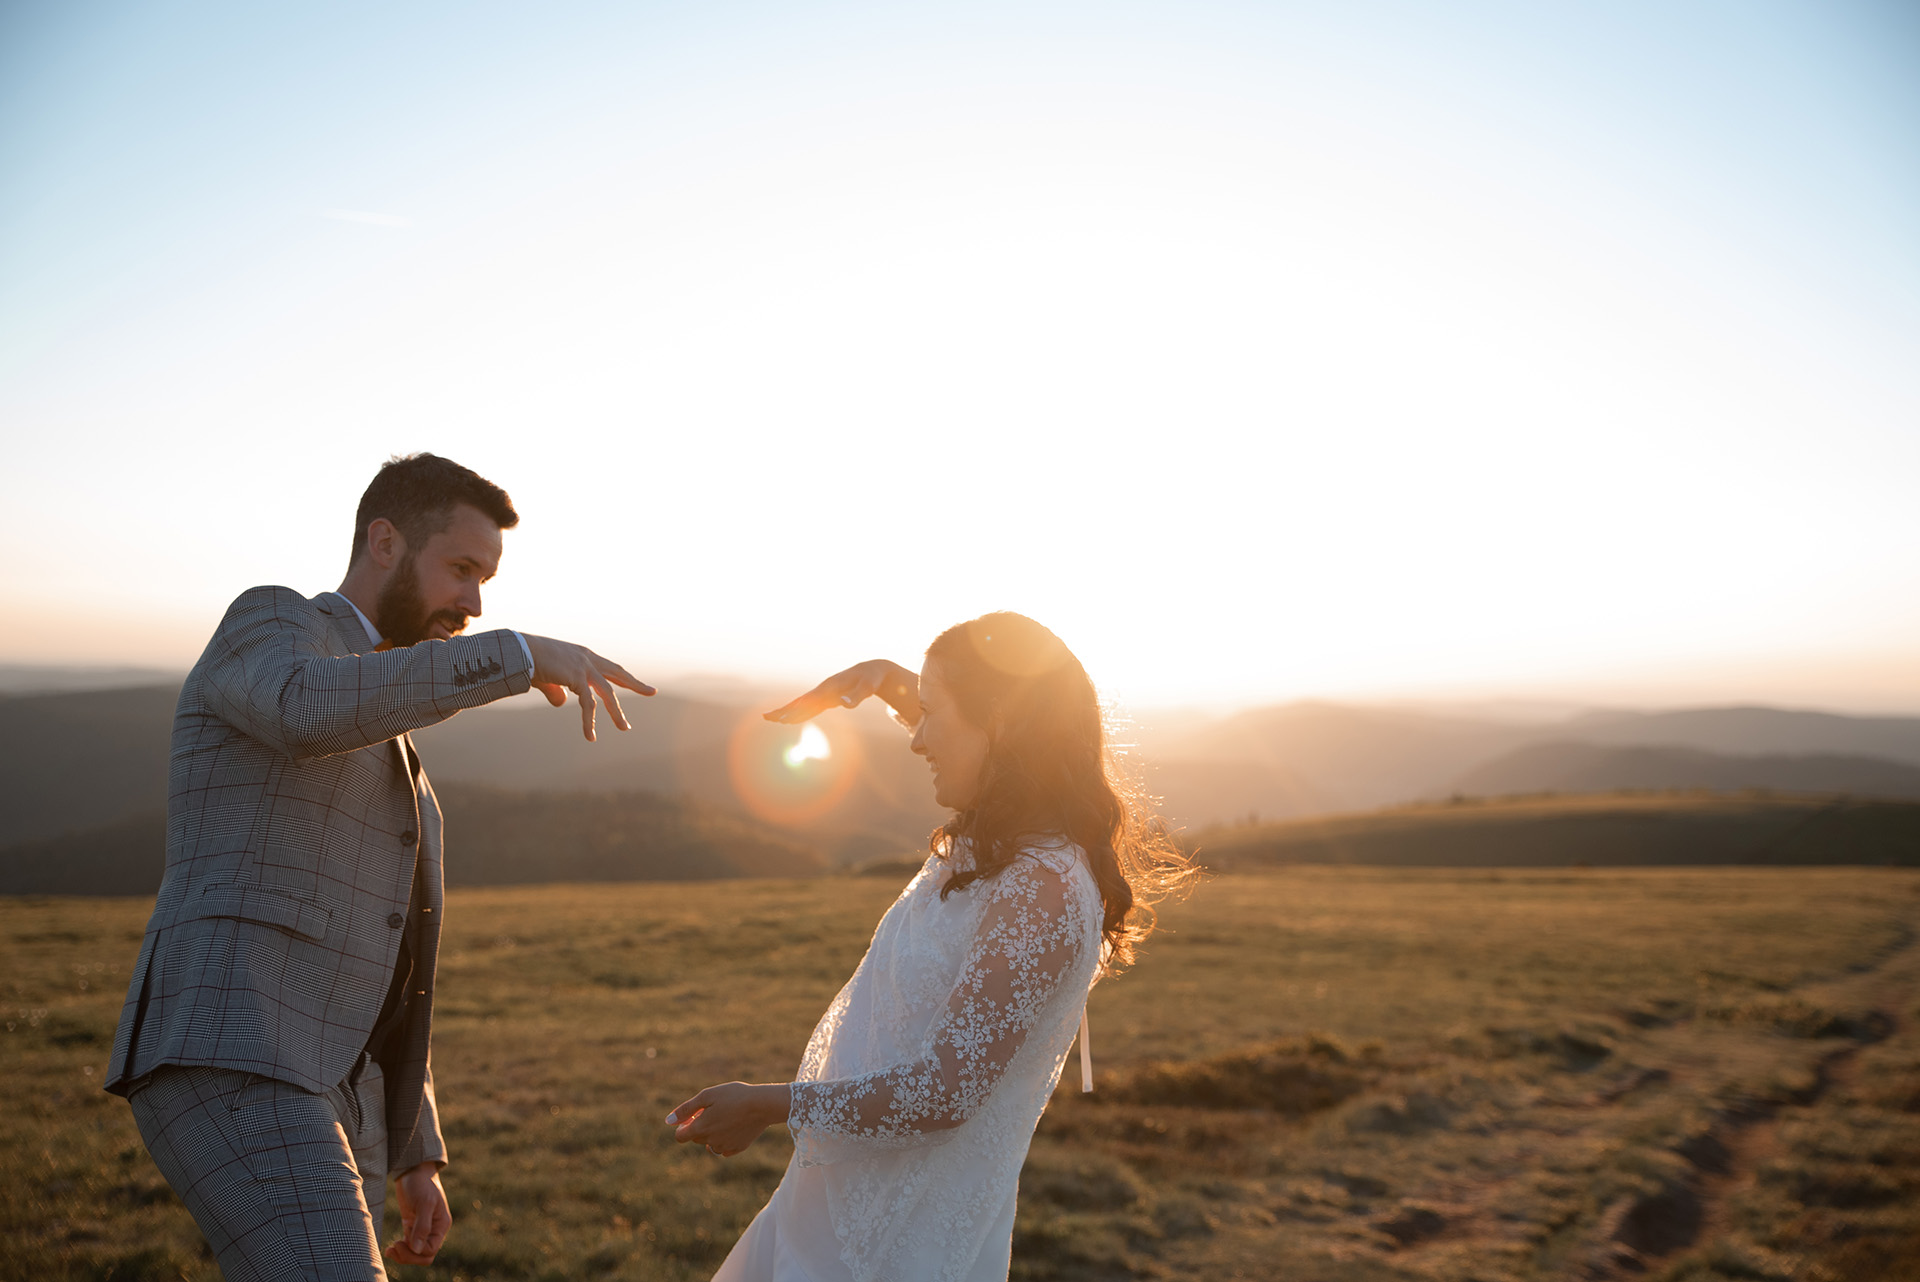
[[396, 920]]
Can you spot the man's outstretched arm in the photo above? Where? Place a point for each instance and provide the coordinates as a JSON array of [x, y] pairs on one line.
[[270, 675]]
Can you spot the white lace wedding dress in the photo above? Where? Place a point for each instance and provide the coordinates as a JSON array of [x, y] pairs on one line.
[[920, 1089]]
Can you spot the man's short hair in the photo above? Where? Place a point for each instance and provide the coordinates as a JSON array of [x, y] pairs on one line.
[[418, 492]]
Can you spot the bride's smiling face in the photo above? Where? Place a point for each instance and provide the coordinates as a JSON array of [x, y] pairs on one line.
[[952, 745]]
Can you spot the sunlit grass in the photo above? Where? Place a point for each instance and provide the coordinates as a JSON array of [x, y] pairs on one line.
[[1321, 1073]]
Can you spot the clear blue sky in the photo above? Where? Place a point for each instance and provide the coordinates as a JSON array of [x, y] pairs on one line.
[[1260, 349]]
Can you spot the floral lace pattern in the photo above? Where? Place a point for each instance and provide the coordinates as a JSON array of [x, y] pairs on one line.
[[921, 1086]]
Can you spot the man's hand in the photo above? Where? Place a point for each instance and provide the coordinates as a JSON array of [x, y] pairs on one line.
[[560, 666], [424, 1215]]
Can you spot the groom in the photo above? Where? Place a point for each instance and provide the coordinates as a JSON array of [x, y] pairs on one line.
[[273, 1044]]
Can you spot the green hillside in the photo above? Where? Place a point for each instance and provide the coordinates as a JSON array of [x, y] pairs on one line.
[[494, 838], [1627, 829], [72, 763], [1599, 768], [81, 759]]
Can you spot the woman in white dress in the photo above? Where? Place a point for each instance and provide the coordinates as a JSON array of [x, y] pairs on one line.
[[918, 1094]]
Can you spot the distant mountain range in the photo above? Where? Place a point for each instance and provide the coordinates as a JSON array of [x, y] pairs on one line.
[[1322, 758], [91, 764]]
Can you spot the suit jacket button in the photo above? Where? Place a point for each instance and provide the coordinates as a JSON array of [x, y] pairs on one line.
[[408, 837], [396, 920]]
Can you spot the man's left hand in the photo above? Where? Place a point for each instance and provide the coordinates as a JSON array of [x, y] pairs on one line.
[[424, 1215]]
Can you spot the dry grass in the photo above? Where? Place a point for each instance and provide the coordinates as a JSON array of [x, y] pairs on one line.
[[1314, 1074]]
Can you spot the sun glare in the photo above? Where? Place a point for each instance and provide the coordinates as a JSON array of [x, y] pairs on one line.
[[786, 781], [811, 746]]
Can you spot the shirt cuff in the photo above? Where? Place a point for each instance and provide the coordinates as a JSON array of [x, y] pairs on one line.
[[526, 650]]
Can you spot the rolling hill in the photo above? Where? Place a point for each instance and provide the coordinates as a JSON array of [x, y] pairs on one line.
[[1625, 830], [81, 759], [688, 746], [1591, 768], [495, 837], [93, 762]]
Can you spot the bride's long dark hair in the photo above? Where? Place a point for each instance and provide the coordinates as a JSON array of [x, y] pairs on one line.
[[1050, 770]]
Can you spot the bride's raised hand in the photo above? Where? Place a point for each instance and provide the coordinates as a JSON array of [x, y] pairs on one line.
[[898, 686]]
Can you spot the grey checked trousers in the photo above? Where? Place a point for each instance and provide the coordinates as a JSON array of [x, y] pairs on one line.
[[286, 1184]]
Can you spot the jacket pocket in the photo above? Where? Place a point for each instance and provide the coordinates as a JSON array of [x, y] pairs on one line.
[[268, 907]]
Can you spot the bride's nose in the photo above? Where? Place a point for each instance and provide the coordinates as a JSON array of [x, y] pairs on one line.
[[919, 743]]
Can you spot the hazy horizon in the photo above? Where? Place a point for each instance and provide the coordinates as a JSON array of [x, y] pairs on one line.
[[737, 689]]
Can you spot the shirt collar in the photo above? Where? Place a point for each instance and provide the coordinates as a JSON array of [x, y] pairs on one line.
[[373, 633]]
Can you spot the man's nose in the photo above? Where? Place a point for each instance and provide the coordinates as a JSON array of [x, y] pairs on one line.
[[470, 601]]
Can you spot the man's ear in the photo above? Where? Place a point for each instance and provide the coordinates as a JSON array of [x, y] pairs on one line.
[[385, 544]]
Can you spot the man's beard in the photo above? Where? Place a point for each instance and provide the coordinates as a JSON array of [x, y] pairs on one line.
[[404, 618]]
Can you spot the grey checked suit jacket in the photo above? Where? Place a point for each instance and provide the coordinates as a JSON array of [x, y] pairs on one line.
[[292, 822]]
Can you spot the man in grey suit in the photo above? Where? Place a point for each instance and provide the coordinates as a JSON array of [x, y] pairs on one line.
[[274, 1041]]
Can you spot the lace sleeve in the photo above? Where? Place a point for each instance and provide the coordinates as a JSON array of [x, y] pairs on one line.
[[1026, 946]]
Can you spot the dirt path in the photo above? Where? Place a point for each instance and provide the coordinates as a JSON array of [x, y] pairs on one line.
[[1751, 1145], [1639, 1237]]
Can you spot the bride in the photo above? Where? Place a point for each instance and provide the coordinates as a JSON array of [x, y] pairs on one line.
[[918, 1094]]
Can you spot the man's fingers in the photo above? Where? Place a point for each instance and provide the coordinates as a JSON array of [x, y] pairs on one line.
[[613, 703], [627, 679], [585, 691], [591, 678]]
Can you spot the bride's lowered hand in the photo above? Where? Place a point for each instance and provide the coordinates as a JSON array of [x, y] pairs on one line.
[[728, 1117], [899, 687]]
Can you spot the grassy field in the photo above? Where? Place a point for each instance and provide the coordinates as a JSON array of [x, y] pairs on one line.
[[1315, 1073]]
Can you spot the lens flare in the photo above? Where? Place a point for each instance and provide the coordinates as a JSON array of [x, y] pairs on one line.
[[812, 746], [788, 780]]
